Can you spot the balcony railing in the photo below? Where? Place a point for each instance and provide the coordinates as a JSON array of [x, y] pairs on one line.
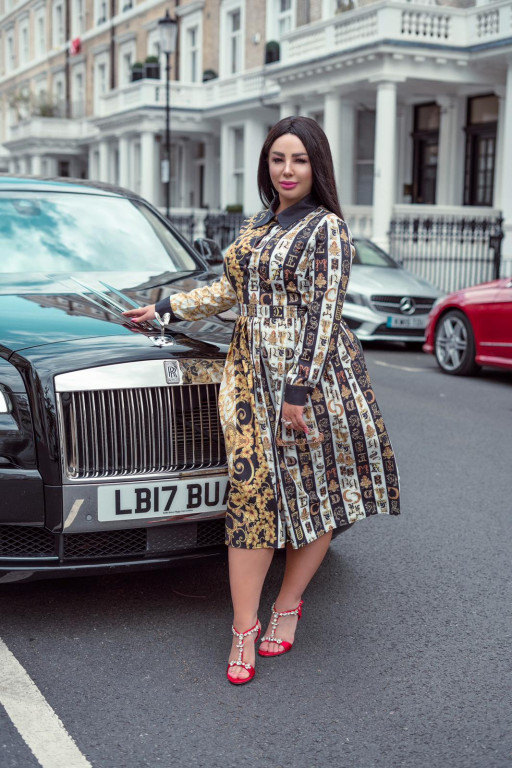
[[150, 93], [144, 93], [397, 20], [54, 128]]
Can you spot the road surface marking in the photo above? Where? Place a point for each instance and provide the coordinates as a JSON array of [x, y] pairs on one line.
[[400, 367], [37, 723]]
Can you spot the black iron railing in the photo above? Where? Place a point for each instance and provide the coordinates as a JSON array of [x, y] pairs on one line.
[[185, 223], [450, 252], [223, 227]]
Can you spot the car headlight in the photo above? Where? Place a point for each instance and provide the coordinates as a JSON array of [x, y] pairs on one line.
[[355, 298], [5, 403]]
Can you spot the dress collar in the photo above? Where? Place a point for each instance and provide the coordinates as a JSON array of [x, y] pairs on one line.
[[290, 215]]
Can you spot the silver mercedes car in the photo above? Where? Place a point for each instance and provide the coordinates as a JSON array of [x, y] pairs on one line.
[[384, 301]]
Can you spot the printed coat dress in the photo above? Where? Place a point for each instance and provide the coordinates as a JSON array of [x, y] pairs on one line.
[[289, 274]]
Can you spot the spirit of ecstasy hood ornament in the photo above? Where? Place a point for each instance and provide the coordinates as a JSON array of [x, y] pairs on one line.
[[162, 341]]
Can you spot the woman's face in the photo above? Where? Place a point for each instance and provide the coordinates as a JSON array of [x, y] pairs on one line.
[[290, 169]]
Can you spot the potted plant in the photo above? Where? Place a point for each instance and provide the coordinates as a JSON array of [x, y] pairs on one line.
[[209, 74], [234, 208], [137, 71], [152, 68], [272, 52]]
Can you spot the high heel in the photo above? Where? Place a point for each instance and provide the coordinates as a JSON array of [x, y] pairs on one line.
[[276, 615], [240, 661]]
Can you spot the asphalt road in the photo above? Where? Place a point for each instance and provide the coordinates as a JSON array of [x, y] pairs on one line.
[[402, 658]]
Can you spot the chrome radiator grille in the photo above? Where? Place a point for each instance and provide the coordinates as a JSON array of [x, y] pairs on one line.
[[120, 432], [391, 304]]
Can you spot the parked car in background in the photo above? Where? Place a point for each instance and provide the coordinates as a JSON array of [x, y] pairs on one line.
[[384, 301], [472, 327], [111, 449]]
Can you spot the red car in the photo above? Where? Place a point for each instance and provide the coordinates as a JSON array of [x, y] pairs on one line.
[[472, 327]]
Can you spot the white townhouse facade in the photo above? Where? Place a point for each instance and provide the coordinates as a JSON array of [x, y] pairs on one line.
[[415, 97]]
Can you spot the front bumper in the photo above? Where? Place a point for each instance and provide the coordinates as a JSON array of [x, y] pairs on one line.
[[370, 325], [37, 553]]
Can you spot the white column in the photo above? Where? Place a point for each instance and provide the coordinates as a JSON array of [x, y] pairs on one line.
[[91, 171], [226, 163], [210, 175], [103, 161], [287, 109], [147, 165], [254, 136], [12, 166], [506, 168], [332, 128], [447, 153], [385, 163], [124, 162], [36, 165], [186, 172], [345, 173]]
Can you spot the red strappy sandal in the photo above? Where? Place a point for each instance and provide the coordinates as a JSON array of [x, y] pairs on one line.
[[240, 661], [276, 615]]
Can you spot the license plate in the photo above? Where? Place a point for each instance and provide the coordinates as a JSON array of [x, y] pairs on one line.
[[161, 499], [407, 322]]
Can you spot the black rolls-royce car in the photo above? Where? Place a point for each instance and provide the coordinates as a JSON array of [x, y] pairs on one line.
[[111, 450]]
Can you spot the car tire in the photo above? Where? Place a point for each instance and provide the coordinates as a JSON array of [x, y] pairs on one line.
[[455, 344]]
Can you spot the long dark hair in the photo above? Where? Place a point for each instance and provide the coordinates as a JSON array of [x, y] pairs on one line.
[[317, 147]]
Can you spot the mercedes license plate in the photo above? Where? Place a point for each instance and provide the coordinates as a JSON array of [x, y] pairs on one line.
[[161, 499], [407, 322]]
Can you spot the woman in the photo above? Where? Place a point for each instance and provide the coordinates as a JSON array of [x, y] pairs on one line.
[[307, 448]]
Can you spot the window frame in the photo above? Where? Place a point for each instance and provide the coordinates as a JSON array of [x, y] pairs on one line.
[[475, 134], [189, 22], [228, 8], [420, 138]]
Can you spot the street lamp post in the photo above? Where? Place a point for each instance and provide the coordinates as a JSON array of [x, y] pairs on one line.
[[168, 31]]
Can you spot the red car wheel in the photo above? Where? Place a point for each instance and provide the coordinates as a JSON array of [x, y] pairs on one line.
[[455, 344]]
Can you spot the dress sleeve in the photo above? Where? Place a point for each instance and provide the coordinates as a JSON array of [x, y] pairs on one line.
[[199, 303], [329, 271]]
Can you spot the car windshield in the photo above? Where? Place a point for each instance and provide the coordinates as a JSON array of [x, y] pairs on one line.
[[370, 255], [73, 232]]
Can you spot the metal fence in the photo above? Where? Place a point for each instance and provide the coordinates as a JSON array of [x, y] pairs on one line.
[[186, 224], [223, 227], [450, 252]]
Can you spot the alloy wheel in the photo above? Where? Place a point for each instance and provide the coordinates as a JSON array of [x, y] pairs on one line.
[[454, 344]]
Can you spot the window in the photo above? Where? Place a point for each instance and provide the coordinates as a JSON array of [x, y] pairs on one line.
[[24, 54], [78, 104], [78, 21], [191, 62], [193, 52], [234, 41], [101, 11], [58, 24], [481, 128], [365, 156], [127, 52], [40, 34], [425, 139], [59, 94], [101, 73], [280, 18], [10, 62], [127, 67], [284, 17], [238, 165]]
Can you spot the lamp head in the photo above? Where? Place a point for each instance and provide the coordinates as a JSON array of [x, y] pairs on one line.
[[168, 31]]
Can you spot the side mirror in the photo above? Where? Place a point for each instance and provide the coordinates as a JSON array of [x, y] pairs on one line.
[[209, 249]]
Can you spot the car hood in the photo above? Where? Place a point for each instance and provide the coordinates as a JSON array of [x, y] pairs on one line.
[[39, 310], [389, 281]]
